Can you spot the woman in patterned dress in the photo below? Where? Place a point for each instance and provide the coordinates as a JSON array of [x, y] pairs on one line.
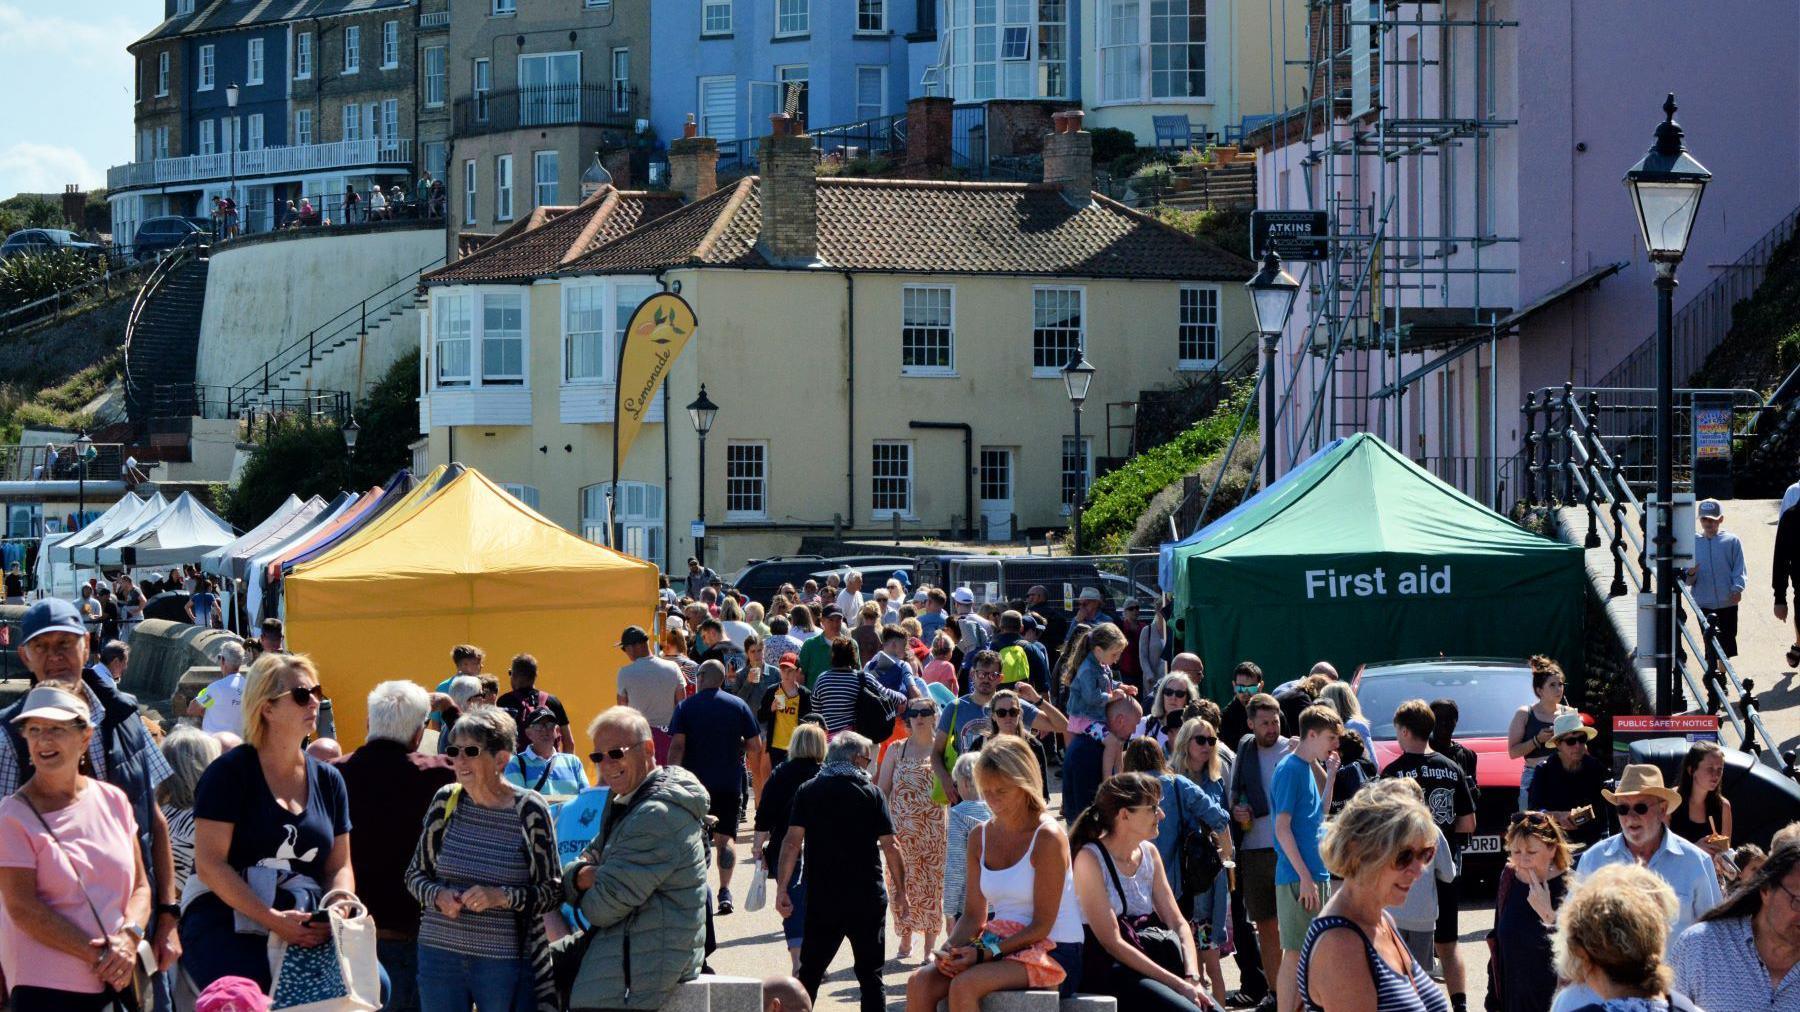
[[906, 780]]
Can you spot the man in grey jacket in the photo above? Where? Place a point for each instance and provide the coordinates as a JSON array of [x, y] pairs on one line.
[[1718, 580], [642, 883]]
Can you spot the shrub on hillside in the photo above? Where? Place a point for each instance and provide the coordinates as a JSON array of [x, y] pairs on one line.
[[1226, 228], [1117, 500], [1111, 143], [29, 278]]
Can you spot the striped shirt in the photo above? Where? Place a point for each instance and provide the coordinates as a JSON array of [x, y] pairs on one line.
[[482, 846], [1394, 992], [834, 697], [181, 842], [1718, 967]]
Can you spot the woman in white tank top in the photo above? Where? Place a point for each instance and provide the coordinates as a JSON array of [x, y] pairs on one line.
[[1019, 870]]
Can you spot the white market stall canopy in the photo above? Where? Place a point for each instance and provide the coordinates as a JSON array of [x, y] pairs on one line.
[[126, 514], [181, 533], [232, 561]]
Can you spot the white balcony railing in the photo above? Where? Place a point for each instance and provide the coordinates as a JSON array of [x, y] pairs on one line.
[[436, 19], [262, 162]]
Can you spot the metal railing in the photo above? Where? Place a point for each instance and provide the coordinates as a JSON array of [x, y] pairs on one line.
[[197, 400], [57, 462], [882, 136], [1582, 470], [294, 158], [1624, 420], [128, 273], [164, 267], [1702, 322], [303, 352], [545, 105], [329, 210]]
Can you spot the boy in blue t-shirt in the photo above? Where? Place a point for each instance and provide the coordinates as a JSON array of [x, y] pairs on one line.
[[1299, 797]]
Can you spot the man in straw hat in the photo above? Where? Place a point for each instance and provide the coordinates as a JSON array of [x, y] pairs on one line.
[[1642, 804], [1569, 786]]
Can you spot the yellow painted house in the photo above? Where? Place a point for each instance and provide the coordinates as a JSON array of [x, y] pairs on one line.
[[883, 352]]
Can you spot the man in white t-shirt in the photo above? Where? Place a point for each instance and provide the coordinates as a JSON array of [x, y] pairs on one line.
[[850, 599], [220, 706], [651, 685]]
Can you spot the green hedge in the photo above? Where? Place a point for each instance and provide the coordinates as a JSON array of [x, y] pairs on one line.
[[26, 279], [1116, 500]]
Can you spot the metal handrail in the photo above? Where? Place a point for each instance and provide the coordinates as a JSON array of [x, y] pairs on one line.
[[165, 267], [105, 280], [1590, 466], [276, 363]]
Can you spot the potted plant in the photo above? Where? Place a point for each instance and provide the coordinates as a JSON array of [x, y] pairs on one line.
[[1223, 153]]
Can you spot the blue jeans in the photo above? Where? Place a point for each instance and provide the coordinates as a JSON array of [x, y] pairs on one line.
[[1068, 956], [1080, 775], [451, 982], [400, 961]]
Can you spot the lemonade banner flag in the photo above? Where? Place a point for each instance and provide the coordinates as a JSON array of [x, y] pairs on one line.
[[660, 328]]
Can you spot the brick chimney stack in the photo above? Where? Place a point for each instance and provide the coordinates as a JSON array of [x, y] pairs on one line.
[[74, 206], [1069, 158], [929, 125], [693, 163], [789, 192]]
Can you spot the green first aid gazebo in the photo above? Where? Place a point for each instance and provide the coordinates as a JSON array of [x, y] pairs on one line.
[[1358, 555]]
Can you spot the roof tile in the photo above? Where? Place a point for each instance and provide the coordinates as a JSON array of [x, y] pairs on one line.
[[553, 236]]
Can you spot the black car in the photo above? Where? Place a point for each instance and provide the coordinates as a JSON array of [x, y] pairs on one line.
[[761, 578], [159, 235], [32, 241]]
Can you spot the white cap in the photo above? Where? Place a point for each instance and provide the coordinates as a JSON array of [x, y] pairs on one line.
[[1089, 594], [963, 595], [51, 702]]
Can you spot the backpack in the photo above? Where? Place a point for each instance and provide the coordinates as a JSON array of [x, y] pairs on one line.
[[1015, 664], [872, 717]]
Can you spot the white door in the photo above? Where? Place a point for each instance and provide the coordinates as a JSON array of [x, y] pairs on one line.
[[995, 479]]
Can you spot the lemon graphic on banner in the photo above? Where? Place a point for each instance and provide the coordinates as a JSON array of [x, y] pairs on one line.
[[660, 328]]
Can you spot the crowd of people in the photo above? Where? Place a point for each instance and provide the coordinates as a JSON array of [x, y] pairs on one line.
[[897, 757]]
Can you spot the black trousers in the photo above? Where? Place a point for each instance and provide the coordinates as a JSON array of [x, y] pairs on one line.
[[45, 999], [1248, 954], [827, 925]]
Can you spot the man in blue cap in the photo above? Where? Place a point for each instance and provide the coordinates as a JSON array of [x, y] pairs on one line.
[[54, 646]]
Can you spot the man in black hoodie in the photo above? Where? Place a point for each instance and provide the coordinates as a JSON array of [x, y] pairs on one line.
[[1785, 570]]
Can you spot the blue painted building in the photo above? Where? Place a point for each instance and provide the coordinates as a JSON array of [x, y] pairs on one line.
[[727, 62], [255, 58]]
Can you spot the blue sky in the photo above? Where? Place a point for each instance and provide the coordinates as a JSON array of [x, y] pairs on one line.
[[65, 89]]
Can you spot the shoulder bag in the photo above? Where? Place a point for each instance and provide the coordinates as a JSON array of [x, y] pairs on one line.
[[141, 995], [872, 718], [1198, 852], [1143, 932]]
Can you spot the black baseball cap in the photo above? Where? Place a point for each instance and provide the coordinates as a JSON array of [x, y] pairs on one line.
[[832, 611], [632, 636], [541, 713]]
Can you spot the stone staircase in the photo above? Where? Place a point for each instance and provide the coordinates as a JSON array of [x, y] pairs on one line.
[[1205, 188], [162, 336], [331, 363]]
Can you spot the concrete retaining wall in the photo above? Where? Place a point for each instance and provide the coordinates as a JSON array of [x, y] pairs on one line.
[[262, 297], [161, 652]]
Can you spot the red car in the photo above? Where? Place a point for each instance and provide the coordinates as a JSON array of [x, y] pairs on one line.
[[1487, 694]]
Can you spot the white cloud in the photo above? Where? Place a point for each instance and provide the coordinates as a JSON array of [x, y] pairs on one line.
[[26, 167], [86, 43]]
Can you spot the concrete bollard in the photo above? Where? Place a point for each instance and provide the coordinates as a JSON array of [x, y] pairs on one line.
[[710, 993]]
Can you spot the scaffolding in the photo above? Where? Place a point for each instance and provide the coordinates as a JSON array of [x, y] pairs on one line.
[[1401, 103]]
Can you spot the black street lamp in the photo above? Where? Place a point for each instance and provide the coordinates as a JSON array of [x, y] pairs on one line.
[[231, 101], [351, 431], [702, 412], [84, 446], [1272, 293], [1666, 186], [1078, 375]]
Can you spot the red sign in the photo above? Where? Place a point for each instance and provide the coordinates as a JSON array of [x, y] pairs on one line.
[[1693, 727]]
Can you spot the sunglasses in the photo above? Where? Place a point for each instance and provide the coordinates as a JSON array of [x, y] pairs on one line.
[[1414, 855], [1175, 694], [912, 714], [1574, 739], [1639, 808], [300, 695], [615, 754], [1244, 690], [465, 751], [1203, 740], [1006, 712], [1533, 817]]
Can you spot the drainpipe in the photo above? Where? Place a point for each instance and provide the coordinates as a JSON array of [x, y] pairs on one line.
[[968, 434], [850, 387]]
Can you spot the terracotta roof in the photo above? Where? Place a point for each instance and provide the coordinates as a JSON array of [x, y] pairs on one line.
[[928, 227], [550, 237]]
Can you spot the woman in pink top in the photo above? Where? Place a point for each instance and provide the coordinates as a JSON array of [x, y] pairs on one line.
[[940, 670], [71, 877]]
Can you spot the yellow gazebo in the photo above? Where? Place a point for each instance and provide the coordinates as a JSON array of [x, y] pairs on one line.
[[469, 563]]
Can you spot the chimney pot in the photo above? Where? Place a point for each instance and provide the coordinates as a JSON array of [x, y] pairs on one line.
[[781, 124], [1069, 158], [690, 129]]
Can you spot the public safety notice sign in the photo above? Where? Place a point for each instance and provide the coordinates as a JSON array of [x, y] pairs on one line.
[[1627, 729], [1293, 235]]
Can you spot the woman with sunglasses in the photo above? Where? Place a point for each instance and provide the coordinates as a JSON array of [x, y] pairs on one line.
[[1007, 715], [1354, 959], [271, 833], [906, 781], [1187, 810], [1174, 694], [1533, 726], [1532, 887], [485, 870]]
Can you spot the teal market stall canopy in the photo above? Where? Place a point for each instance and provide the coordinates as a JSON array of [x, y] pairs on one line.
[[1358, 555]]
